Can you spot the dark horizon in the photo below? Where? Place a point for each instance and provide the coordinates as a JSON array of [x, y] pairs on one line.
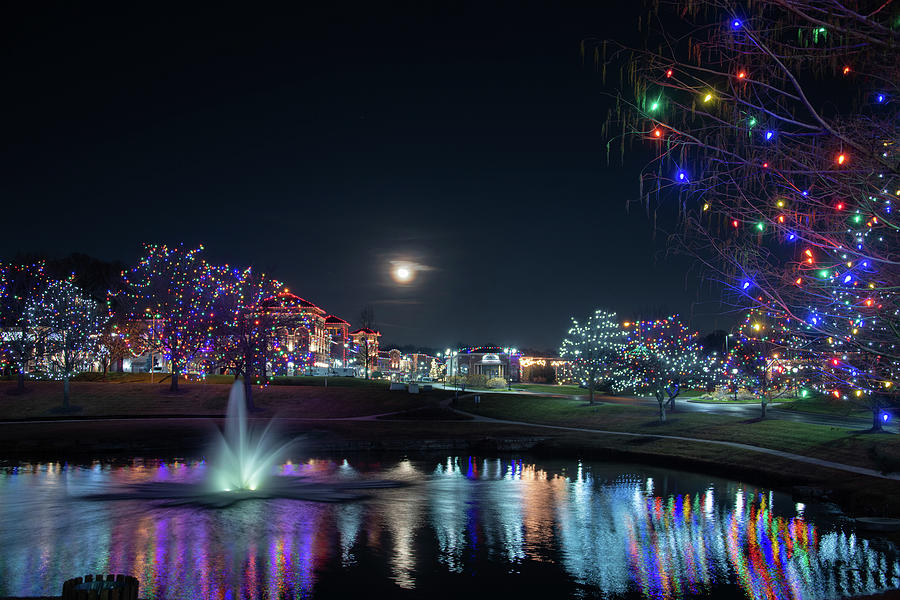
[[320, 146]]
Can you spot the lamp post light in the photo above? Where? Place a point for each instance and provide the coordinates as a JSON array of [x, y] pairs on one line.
[[509, 353]]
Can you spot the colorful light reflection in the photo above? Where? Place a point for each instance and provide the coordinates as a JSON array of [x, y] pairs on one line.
[[616, 531]]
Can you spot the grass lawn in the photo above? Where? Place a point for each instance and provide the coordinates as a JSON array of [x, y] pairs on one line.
[[879, 451], [145, 378], [828, 405], [542, 388], [145, 399]]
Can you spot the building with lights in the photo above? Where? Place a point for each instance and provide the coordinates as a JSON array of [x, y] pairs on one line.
[[546, 369], [420, 365], [364, 342], [390, 362], [300, 334], [491, 362], [337, 331]]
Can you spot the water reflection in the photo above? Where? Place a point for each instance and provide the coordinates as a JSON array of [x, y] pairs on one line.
[[597, 529]]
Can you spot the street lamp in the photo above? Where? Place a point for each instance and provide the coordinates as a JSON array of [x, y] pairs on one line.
[[734, 383], [509, 353], [726, 343]]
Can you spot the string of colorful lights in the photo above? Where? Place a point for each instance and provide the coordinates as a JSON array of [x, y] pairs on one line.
[[775, 128]]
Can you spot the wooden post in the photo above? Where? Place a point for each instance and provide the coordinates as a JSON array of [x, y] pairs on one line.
[[101, 587]]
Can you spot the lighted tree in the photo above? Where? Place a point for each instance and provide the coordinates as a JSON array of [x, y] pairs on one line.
[[774, 126], [768, 357], [171, 291], [110, 346], [20, 286], [594, 346], [662, 357], [244, 331], [71, 323], [436, 372]]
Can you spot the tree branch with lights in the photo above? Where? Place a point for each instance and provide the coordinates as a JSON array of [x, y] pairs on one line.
[[774, 127], [171, 291]]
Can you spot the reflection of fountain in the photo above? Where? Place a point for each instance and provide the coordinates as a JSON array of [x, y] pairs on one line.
[[242, 470]]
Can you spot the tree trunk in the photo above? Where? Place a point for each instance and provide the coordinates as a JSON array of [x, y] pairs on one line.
[[248, 394], [673, 396], [662, 406], [249, 368], [763, 404], [66, 391], [20, 387], [876, 419], [174, 385], [591, 391]]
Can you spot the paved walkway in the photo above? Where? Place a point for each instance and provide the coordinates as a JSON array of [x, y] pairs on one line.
[[789, 455]]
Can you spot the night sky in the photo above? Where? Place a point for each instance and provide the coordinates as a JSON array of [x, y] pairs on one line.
[[321, 145]]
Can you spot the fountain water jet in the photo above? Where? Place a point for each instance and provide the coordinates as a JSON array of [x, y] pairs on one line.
[[245, 458], [242, 470]]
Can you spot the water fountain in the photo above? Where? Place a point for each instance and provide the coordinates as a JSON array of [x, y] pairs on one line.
[[241, 469]]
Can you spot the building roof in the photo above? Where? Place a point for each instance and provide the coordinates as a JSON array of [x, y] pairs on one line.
[[333, 320], [365, 330], [288, 300]]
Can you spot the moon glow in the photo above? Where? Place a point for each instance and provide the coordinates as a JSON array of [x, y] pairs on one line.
[[402, 274]]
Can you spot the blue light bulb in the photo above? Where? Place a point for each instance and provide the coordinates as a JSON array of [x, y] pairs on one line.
[[736, 24], [769, 135]]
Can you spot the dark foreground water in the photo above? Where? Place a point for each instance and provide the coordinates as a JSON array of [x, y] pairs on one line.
[[466, 526]]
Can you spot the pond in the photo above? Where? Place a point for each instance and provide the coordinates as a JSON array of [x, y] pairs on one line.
[[463, 525]]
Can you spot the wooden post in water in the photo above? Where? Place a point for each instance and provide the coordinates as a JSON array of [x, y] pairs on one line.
[[101, 587]]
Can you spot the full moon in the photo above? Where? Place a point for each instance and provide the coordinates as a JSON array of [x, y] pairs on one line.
[[403, 274]]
